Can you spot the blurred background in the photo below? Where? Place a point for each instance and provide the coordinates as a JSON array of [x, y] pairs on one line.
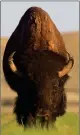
[[66, 17]]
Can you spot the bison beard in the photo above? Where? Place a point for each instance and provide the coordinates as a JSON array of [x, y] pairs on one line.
[[35, 65]]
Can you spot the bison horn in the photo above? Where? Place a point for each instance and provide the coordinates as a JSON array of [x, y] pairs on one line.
[[12, 65], [66, 68]]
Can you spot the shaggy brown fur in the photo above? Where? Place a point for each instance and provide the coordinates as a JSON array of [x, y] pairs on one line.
[[40, 54]]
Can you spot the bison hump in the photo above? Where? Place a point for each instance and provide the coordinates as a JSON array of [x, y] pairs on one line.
[[42, 33]]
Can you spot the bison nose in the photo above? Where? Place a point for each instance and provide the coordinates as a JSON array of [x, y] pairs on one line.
[[43, 114]]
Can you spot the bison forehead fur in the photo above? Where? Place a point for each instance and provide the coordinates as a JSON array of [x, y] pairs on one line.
[[38, 69]]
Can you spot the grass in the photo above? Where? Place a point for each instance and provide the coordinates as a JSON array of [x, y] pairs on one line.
[[65, 125]]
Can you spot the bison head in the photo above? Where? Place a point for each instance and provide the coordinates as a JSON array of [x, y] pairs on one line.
[[48, 71]]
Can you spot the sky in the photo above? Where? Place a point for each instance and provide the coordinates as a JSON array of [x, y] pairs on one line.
[[64, 14]]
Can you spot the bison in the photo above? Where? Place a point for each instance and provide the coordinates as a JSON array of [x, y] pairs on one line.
[[36, 66]]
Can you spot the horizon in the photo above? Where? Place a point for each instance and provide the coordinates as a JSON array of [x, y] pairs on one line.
[[63, 33]]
